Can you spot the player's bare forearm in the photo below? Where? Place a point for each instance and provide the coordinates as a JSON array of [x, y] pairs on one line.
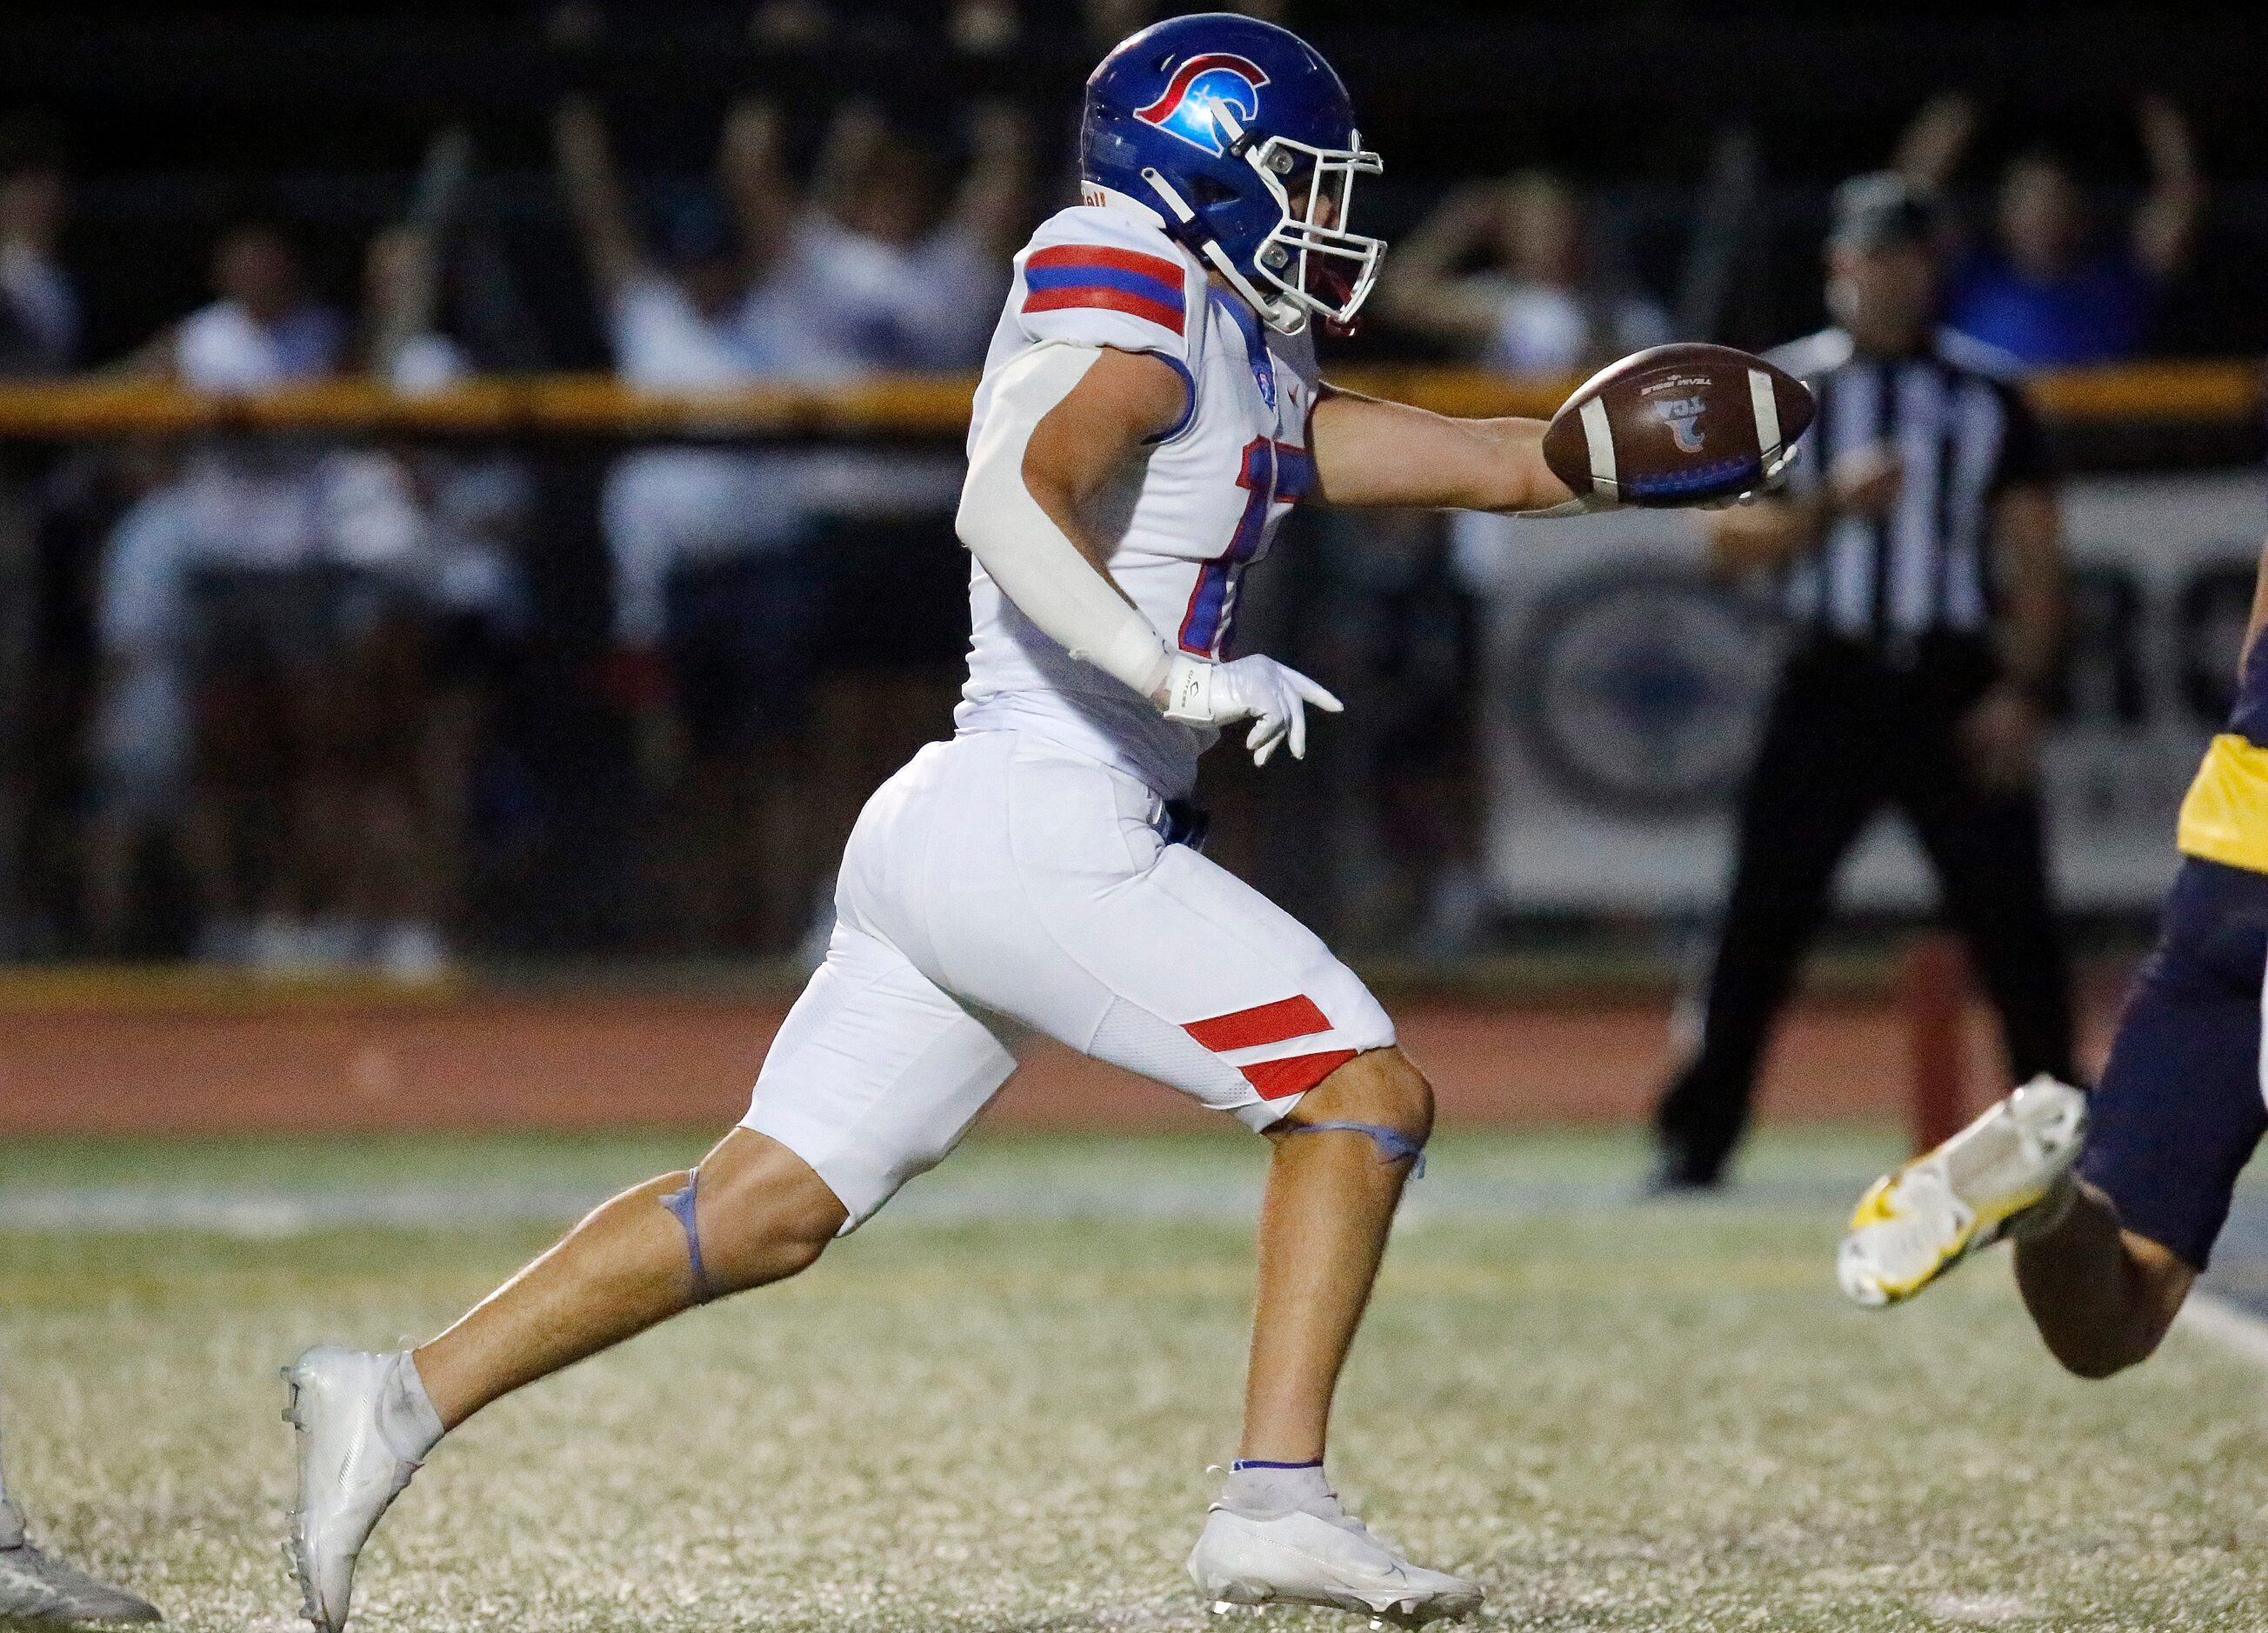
[[2030, 527], [1373, 452]]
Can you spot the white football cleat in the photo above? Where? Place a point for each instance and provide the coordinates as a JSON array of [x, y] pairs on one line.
[[1913, 1226], [1320, 1554], [36, 1588], [349, 1472]]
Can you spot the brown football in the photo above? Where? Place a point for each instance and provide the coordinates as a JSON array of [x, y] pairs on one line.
[[1676, 425]]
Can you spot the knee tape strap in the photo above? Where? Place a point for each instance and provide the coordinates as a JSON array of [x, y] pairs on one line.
[[1393, 1145], [684, 1206]]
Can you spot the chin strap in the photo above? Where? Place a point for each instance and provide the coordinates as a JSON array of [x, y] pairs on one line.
[[684, 1207], [1393, 1145]]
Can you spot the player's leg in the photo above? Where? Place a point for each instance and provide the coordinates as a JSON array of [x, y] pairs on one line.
[[1332, 1196], [1070, 913], [2179, 1114], [1812, 790], [873, 1078], [2101, 1295], [759, 1214], [2111, 1234]]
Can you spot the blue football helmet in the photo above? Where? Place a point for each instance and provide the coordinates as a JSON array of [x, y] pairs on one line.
[[1241, 138]]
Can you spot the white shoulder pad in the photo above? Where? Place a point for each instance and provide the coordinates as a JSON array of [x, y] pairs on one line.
[[1106, 277]]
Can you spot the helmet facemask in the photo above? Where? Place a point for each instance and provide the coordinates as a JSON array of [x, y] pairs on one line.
[[1308, 263], [1312, 259]]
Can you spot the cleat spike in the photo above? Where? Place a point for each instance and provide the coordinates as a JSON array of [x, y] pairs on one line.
[[1221, 1607]]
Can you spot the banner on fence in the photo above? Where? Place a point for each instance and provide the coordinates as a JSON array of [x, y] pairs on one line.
[[1625, 686]]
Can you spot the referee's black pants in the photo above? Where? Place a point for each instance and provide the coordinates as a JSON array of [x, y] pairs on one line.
[[1850, 731]]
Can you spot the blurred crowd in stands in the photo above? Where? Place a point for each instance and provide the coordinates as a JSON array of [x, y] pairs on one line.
[[267, 700]]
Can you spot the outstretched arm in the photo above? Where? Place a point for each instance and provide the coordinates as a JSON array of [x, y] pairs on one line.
[[1372, 452]]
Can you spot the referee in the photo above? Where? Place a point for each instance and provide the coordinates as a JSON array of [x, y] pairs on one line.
[[1920, 553]]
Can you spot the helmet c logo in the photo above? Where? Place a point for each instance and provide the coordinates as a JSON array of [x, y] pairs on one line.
[[1215, 78]]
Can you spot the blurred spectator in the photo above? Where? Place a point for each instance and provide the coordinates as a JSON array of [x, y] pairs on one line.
[[898, 273], [264, 327], [717, 588], [39, 310], [2050, 289], [296, 639], [218, 622], [903, 273], [39, 334], [1504, 270], [430, 536]]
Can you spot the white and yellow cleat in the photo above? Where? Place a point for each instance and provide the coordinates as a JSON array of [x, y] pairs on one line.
[[1320, 1554], [1913, 1226]]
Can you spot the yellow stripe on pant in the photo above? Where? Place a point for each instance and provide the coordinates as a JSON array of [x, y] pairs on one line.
[[2225, 814]]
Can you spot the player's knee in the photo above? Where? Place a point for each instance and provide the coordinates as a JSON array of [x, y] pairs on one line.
[[2098, 1343], [759, 1215], [1380, 1088]]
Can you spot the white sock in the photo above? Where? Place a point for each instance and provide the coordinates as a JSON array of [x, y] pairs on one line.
[[1264, 1493], [406, 1417]]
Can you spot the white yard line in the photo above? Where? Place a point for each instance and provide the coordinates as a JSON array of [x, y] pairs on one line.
[[1050, 1195]]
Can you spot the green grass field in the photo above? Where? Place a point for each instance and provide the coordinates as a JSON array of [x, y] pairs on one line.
[[993, 1409]]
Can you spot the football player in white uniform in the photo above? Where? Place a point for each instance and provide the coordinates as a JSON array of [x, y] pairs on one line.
[[36, 1586], [1150, 410]]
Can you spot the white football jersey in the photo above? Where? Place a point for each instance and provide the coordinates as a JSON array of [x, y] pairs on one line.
[[1186, 523]]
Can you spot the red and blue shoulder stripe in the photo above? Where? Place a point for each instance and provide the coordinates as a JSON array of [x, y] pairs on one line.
[[1115, 280]]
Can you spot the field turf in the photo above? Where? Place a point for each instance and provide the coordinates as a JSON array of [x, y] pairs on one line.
[[993, 1409]]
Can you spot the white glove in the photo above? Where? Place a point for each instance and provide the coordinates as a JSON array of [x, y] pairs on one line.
[[1270, 694]]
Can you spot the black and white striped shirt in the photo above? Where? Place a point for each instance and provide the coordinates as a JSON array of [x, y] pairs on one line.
[[1962, 432]]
